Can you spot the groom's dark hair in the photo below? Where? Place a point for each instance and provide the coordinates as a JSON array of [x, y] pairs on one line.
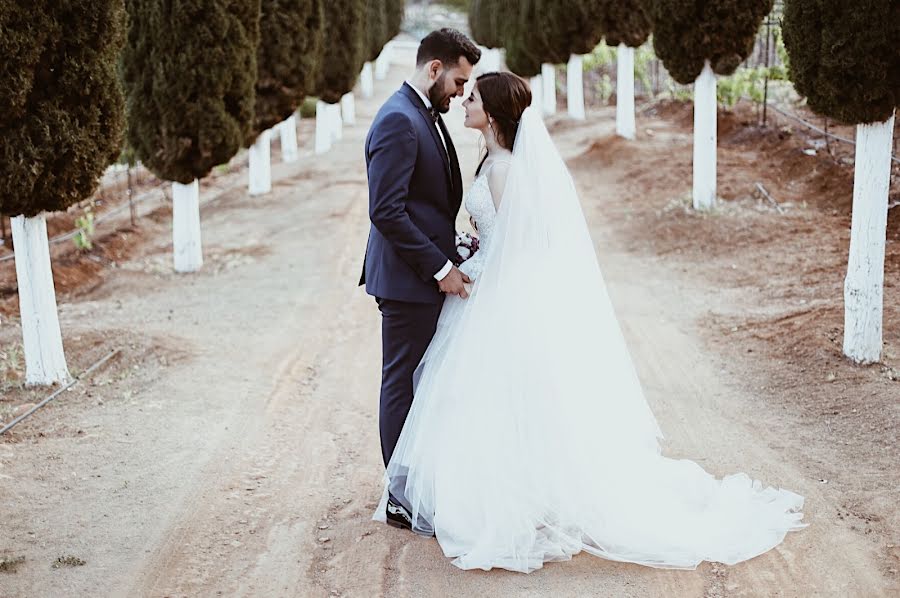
[[447, 45]]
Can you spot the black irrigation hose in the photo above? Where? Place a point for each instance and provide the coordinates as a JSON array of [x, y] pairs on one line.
[[72, 383]]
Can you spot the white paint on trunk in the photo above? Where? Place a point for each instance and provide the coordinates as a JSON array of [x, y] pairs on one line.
[[575, 86], [323, 127], [537, 88], [367, 81], [864, 284], [336, 125], [490, 60], [705, 139], [45, 361], [260, 154], [348, 109], [383, 62], [288, 132], [548, 76], [187, 248], [625, 125]]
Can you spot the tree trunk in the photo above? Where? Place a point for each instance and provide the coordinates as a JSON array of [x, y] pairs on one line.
[[575, 86], [705, 139], [45, 361], [383, 62], [367, 81], [336, 125], [188, 251], [548, 75], [537, 88], [323, 127], [348, 109], [864, 284], [625, 125], [288, 132], [261, 164]]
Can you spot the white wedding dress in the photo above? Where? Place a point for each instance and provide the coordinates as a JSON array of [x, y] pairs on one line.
[[529, 438]]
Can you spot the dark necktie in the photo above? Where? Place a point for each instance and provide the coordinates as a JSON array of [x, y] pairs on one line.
[[434, 114]]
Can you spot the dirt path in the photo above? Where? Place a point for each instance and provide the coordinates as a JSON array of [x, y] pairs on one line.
[[246, 462]]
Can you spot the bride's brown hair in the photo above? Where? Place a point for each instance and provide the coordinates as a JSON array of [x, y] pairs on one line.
[[505, 97]]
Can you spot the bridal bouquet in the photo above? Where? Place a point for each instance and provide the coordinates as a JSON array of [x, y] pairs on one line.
[[466, 246]]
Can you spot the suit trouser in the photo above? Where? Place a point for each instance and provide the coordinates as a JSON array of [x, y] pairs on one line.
[[406, 331]]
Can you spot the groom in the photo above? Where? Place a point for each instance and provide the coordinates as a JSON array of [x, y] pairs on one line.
[[415, 192]]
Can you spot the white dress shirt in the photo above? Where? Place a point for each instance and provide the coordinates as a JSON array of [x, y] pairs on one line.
[[443, 272]]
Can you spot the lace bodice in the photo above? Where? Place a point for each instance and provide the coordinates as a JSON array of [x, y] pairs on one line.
[[480, 205]]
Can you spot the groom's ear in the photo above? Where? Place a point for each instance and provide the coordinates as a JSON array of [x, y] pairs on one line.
[[434, 68]]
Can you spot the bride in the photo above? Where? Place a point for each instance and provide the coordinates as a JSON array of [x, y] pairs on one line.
[[529, 439]]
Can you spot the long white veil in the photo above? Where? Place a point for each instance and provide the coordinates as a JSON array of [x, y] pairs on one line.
[[529, 438]]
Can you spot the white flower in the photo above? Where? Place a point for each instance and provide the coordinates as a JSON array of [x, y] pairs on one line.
[[463, 252]]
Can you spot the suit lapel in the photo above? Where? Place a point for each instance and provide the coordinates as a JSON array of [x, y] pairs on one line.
[[424, 113]]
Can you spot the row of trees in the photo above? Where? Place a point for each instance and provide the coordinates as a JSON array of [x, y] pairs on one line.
[[843, 58], [188, 85]]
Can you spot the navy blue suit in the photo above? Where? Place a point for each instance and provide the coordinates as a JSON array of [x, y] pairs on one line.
[[415, 192]]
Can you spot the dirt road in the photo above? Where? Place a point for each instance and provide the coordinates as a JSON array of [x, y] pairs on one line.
[[244, 461]]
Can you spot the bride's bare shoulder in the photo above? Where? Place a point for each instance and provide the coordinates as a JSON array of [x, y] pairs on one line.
[[497, 181]]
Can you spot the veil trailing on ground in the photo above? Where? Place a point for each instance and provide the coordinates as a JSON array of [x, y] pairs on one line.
[[529, 438]]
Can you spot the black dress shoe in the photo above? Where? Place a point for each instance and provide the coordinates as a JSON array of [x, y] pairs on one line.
[[397, 515]]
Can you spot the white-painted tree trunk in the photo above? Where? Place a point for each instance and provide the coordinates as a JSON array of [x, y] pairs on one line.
[[336, 123], [187, 248], [705, 139], [864, 284], [367, 81], [383, 62], [497, 58], [537, 95], [575, 86], [625, 125], [45, 361], [548, 76], [261, 164], [323, 127], [288, 132], [490, 60], [348, 109]]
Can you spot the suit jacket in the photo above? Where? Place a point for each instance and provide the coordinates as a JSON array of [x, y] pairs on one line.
[[415, 192]]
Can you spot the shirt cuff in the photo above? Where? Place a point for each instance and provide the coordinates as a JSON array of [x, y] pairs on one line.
[[443, 272]]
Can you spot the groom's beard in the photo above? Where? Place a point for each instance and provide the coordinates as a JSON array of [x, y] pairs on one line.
[[437, 97]]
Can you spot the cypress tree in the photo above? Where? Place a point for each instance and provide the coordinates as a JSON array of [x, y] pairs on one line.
[[63, 111], [686, 33], [625, 22], [483, 25], [519, 24], [61, 126], [697, 39], [376, 28], [190, 75], [344, 50], [394, 15], [844, 59], [292, 39]]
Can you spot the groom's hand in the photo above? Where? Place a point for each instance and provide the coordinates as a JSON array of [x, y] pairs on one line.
[[454, 283]]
